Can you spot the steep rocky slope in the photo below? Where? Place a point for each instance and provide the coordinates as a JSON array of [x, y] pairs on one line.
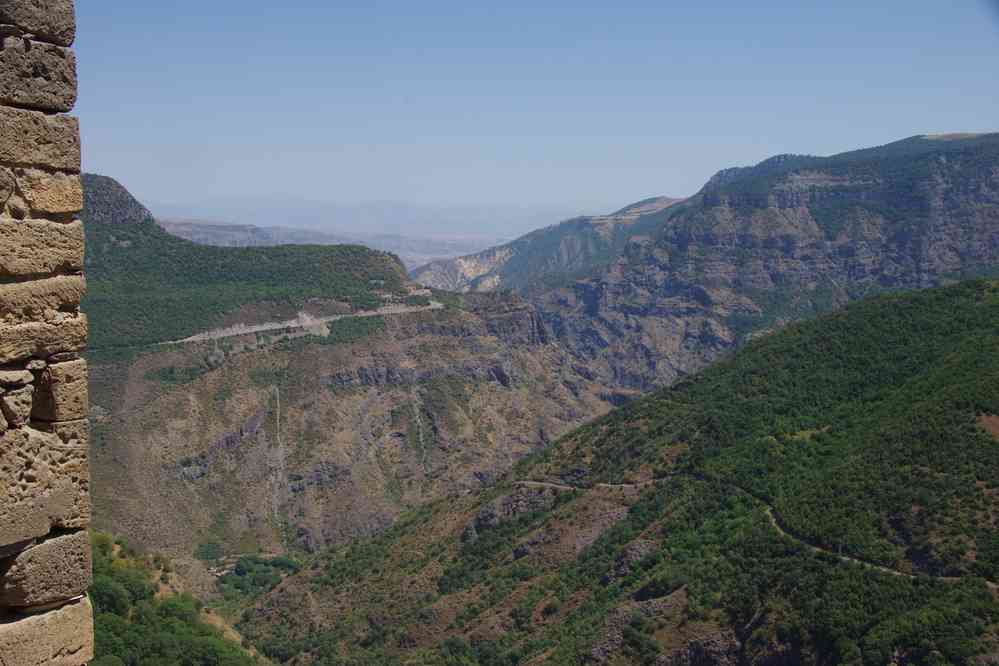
[[264, 442], [762, 246], [299, 437], [544, 257], [826, 496]]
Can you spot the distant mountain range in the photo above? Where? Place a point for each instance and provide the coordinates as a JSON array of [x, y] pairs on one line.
[[660, 296], [413, 251]]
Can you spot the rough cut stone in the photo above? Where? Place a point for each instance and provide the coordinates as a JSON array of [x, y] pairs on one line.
[[43, 338], [57, 569], [73, 434], [36, 75], [16, 406], [43, 193], [63, 637], [48, 20], [33, 138], [44, 484], [62, 393], [40, 300], [15, 378], [7, 186], [70, 465], [36, 247]]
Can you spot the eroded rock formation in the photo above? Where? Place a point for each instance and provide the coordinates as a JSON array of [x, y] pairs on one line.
[[45, 568]]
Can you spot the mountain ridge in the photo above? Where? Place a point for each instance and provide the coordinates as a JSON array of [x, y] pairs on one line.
[[147, 286], [570, 247]]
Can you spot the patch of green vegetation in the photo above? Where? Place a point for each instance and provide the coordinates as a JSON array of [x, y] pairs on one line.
[[252, 576], [133, 627], [446, 399], [450, 300], [417, 301], [209, 551], [270, 376], [224, 393], [366, 555]]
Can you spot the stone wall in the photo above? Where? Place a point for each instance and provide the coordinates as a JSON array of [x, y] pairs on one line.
[[45, 616]]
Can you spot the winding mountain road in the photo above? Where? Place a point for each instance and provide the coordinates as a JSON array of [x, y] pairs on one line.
[[775, 522]]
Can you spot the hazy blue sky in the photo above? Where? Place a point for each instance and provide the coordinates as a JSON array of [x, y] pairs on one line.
[[579, 105]]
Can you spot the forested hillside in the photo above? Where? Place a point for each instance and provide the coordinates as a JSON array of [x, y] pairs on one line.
[[826, 496], [146, 286]]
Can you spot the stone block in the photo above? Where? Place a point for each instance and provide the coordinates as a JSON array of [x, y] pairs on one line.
[[15, 378], [36, 75], [69, 507], [44, 484], [52, 571], [44, 300], [42, 339], [48, 20], [61, 393], [62, 637], [33, 138], [16, 406], [36, 247], [39, 193]]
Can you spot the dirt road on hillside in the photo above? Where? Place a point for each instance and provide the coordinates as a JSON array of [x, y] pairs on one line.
[[303, 321]]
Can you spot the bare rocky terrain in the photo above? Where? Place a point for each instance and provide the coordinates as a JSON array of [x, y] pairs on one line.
[[264, 442]]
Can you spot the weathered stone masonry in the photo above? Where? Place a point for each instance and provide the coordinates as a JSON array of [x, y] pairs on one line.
[[45, 617]]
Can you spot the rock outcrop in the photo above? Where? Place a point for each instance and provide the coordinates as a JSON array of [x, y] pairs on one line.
[[45, 567]]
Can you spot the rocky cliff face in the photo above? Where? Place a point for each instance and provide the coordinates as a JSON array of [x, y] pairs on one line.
[[790, 238], [260, 443], [553, 254], [661, 288]]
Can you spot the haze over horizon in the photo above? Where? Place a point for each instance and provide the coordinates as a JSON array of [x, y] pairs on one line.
[[288, 111]]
